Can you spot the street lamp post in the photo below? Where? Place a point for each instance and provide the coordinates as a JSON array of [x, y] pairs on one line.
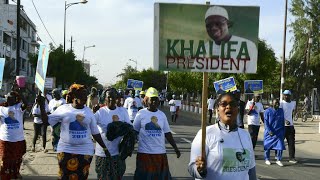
[[84, 50], [66, 6], [135, 61]]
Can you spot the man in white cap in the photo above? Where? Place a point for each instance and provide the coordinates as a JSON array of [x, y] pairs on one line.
[[225, 45], [289, 107]]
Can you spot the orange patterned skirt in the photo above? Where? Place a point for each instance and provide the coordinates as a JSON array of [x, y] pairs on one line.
[[152, 167], [74, 166], [11, 158]]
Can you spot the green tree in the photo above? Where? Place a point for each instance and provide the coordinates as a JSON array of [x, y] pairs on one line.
[[302, 67]]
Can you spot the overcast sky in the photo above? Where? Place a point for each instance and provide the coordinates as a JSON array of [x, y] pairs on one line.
[[123, 29]]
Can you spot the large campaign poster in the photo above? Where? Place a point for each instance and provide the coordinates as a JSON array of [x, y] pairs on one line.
[[203, 38], [253, 86], [225, 85], [2, 63], [42, 64]]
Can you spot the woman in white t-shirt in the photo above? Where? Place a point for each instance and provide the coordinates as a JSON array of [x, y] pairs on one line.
[[75, 148], [228, 149], [39, 127], [12, 143], [112, 167], [153, 128]]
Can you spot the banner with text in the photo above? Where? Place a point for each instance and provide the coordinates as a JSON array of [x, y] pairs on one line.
[[2, 63], [225, 85], [202, 38], [42, 65], [253, 86]]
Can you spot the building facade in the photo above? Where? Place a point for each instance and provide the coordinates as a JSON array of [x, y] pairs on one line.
[[8, 44]]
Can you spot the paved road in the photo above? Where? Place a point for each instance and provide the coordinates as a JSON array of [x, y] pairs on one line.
[[44, 166]]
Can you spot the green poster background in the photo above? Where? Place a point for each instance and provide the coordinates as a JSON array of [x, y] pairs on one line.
[[187, 22]]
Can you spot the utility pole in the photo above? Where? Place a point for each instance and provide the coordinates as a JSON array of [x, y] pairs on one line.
[[71, 43], [18, 40], [284, 50]]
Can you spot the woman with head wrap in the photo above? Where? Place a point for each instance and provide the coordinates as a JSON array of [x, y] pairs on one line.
[[93, 99], [12, 143], [110, 167], [153, 128], [75, 147]]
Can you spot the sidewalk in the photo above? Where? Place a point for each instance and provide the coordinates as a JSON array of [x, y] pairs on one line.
[[39, 165]]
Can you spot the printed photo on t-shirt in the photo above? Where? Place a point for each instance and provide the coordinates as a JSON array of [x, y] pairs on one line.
[[11, 121], [77, 129], [153, 128], [235, 160]]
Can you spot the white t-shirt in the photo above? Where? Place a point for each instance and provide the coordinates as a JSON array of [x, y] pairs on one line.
[[151, 127], [36, 110], [172, 104], [49, 97], [104, 117], [288, 108], [77, 125], [225, 160], [54, 104], [138, 101], [132, 107], [254, 117], [210, 103], [178, 103], [11, 123]]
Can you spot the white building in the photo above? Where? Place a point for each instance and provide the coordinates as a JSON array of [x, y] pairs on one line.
[[8, 43], [86, 66]]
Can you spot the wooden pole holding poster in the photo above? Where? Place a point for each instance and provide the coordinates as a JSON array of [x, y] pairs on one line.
[[204, 110]]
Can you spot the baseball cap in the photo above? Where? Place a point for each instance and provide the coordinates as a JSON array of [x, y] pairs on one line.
[[152, 92], [64, 92], [142, 92], [217, 11], [287, 92]]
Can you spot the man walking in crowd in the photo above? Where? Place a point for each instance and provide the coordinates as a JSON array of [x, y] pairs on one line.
[[241, 106], [142, 95], [274, 132], [131, 105], [53, 105], [306, 108], [172, 104], [178, 107], [93, 99], [255, 112], [210, 103], [289, 107], [138, 100]]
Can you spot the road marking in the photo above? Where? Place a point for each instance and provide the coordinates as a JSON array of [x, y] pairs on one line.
[[186, 140], [173, 132]]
